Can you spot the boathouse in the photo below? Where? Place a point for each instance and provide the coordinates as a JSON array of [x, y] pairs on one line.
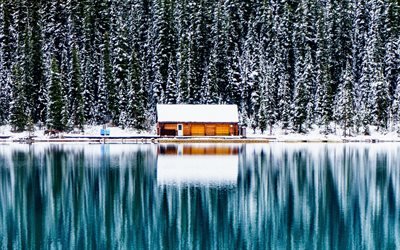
[[197, 120]]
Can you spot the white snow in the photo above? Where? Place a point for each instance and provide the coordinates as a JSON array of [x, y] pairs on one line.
[[278, 134], [88, 131], [315, 134], [197, 113]]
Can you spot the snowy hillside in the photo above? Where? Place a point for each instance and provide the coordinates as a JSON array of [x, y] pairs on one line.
[[288, 65]]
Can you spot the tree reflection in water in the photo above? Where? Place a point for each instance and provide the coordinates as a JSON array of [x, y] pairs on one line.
[[313, 196]]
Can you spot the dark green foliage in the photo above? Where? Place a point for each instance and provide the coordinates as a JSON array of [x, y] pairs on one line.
[[345, 102], [282, 62], [55, 106], [75, 93], [381, 109], [18, 105]]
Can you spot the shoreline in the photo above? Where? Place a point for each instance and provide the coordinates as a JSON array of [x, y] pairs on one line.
[[150, 139]]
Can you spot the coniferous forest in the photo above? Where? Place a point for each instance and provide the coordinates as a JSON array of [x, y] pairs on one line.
[[286, 63]]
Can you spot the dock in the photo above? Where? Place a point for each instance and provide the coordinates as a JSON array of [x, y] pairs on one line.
[[136, 139], [155, 139]]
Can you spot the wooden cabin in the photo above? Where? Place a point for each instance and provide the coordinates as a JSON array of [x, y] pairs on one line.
[[197, 120]]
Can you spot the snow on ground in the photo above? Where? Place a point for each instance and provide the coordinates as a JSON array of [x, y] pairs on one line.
[[314, 134], [88, 131]]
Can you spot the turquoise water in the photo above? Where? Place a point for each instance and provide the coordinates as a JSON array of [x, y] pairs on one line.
[[279, 196]]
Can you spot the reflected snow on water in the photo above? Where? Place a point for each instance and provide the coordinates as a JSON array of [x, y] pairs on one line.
[[314, 196]]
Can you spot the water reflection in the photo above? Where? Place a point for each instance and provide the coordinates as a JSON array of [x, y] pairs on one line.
[[290, 196], [194, 165]]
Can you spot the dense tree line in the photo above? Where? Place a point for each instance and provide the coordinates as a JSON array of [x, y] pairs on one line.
[[285, 63]]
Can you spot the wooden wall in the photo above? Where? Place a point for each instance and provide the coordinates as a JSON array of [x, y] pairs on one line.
[[199, 129]]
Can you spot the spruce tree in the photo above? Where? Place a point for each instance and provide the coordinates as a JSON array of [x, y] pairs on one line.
[[102, 111], [18, 105], [5, 84], [171, 89], [55, 106], [345, 103], [109, 81], [75, 93], [381, 103]]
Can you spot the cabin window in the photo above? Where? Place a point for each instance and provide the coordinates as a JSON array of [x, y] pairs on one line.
[[179, 126]]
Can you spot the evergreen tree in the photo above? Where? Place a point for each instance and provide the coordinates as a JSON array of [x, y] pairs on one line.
[[109, 81], [287, 56], [396, 106], [120, 61], [302, 94], [262, 116], [382, 103], [102, 111], [171, 90], [137, 98], [55, 106], [344, 102], [75, 93], [5, 75], [18, 105], [37, 86]]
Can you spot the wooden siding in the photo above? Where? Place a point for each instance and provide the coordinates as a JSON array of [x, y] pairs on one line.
[[170, 126], [210, 130], [222, 130], [199, 129]]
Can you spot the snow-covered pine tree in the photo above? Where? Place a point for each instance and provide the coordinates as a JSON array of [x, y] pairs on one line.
[[76, 118], [262, 113], [195, 53], [234, 78], [133, 92], [102, 112], [5, 74], [155, 40], [172, 88], [210, 83], [120, 61], [89, 102], [5, 92], [381, 102], [111, 87], [396, 106], [271, 97], [18, 105], [325, 87], [369, 69], [344, 107], [55, 105], [302, 95], [37, 102]]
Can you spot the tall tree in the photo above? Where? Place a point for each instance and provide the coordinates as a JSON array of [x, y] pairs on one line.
[[55, 106], [18, 105], [76, 118], [344, 102]]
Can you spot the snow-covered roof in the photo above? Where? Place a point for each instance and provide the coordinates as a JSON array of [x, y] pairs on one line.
[[197, 113]]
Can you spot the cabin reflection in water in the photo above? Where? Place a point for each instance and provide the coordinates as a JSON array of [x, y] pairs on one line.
[[198, 165]]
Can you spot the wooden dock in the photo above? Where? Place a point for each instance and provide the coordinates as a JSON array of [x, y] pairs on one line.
[[150, 139], [137, 139]]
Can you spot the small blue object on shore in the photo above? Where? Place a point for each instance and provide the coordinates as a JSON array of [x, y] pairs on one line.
[[104, 132]]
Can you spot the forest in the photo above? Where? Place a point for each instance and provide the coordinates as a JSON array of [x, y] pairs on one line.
[[288, 64]]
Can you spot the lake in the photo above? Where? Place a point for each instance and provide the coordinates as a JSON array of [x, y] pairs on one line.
[[221, 196]]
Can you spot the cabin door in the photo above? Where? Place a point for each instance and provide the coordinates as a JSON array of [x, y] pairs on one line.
[[180, 129]]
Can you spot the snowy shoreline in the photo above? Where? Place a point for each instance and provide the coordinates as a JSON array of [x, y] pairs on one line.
[[118, 135]]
